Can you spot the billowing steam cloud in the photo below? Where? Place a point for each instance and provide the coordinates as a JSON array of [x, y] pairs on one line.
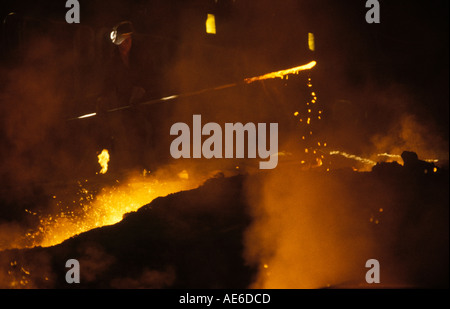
[[317, 230], [308, 233]]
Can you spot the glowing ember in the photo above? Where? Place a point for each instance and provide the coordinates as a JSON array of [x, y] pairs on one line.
[[103, 159]]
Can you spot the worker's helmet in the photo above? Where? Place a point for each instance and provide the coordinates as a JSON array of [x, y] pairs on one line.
[[121, 31]]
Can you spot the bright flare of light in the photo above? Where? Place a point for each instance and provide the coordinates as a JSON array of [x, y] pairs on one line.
[[103, 159]]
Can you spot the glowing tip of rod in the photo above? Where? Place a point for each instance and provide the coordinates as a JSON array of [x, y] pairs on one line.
[[87, 115]]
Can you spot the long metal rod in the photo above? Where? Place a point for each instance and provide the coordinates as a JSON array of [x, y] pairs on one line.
[[273, 75]]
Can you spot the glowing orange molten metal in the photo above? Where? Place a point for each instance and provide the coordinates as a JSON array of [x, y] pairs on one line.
[[92, 209], [282, 73]]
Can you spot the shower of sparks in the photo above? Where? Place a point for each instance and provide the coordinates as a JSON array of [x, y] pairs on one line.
[[309, 117], [91, 209]]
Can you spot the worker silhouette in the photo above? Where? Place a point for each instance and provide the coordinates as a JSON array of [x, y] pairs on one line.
[[124, 87]]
